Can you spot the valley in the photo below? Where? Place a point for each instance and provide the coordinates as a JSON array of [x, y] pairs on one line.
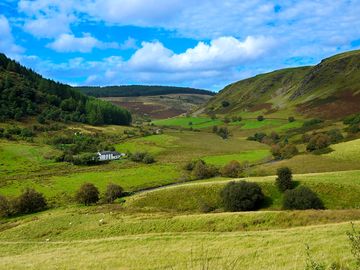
[[171, 212]]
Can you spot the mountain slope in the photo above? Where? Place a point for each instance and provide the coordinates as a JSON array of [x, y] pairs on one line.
[[140, 90], [24, 93], [329, 90]]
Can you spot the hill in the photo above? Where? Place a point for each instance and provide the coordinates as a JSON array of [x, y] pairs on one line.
[[140, 90], [24, 93], [329, 90]]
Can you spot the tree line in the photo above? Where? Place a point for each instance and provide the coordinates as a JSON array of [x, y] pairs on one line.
[[25, 93]]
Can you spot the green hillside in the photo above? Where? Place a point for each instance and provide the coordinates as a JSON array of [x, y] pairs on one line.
[[140, 90], [329, 90], [24, 93]]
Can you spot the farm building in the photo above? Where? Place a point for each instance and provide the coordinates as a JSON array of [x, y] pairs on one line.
[[109, 155]]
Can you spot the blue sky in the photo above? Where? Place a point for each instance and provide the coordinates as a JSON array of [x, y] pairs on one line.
[[204, 44]]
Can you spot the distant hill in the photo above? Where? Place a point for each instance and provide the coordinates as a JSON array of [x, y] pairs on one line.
[[24, 93], [140, 90], [329, 90]]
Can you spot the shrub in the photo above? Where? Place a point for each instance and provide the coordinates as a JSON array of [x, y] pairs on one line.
[[301, 198], [355, 128], [291, 119], [284, 179], [312, 122], [87, 194], [335, 135], [113, 192], [83, 159], [226, 120], [318, 141], [148, 159], [223, 132], [215, 129], [137, 156], [190, 165], [30, 201], [242, 196], [260, 118], [257, 137], [225, 103], [202, 171], [232, 169], [288, 151]]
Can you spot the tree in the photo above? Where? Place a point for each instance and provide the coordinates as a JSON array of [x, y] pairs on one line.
[[202, 171], [335, 135], [232, 169], [284, 179], [30, 201], [301, 198], [318, 141], [148, 159], [113, 192], [87, 194], [225, 103], [242, 196], [5, 207], [260, 118]]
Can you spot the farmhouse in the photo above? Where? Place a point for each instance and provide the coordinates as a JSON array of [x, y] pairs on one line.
[[109, 155]]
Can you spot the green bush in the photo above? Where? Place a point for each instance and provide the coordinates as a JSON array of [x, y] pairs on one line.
[[284, 179], [242, 196], [113, 192], [87, 194], [312, 122], [201, 170], [335, 135], [232, 169], [148, 159], [30, 201], [291, 119], [301, 198], [318, 141], [225, 103], [260, 118], [223, 132], [284, 151]]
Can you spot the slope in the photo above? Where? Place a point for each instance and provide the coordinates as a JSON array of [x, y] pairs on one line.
[[329, 90]]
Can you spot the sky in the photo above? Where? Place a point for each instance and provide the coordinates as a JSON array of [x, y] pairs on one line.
[[203, 44]]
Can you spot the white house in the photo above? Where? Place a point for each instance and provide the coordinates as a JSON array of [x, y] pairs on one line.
[[109, 155]]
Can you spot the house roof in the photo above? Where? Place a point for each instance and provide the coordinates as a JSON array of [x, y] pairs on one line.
[[115, 153]]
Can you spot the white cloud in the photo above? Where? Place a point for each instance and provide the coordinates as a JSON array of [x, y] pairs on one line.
[[129, 43], [84, 44], [220, 53], [48, 27], [7, 43]]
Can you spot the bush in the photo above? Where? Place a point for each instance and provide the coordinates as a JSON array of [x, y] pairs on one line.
[[301, 198], [83, 159], [260, 118], [312, 122], [257, 137], [190, 165], [226, 120], [202, 171], [335, 135], [30, 201], [318, 141], [215, 129], [284, 151], [291, 119], [242, 196], [284, 179], [148, 159], [225, 103], [113, 192], [232, 169], [87, 194], [223, 132]]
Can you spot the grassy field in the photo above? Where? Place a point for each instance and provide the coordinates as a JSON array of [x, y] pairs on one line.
[[249, 156], [123, 240], [346, 151], [337, 190], [197, 122]]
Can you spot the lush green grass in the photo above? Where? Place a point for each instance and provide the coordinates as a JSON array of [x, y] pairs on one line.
[[346, 151], [20, 157], [153, 144], [255, 124], [197, 122], [250, 156], [92, 238], [337, 190], [133, 178]]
